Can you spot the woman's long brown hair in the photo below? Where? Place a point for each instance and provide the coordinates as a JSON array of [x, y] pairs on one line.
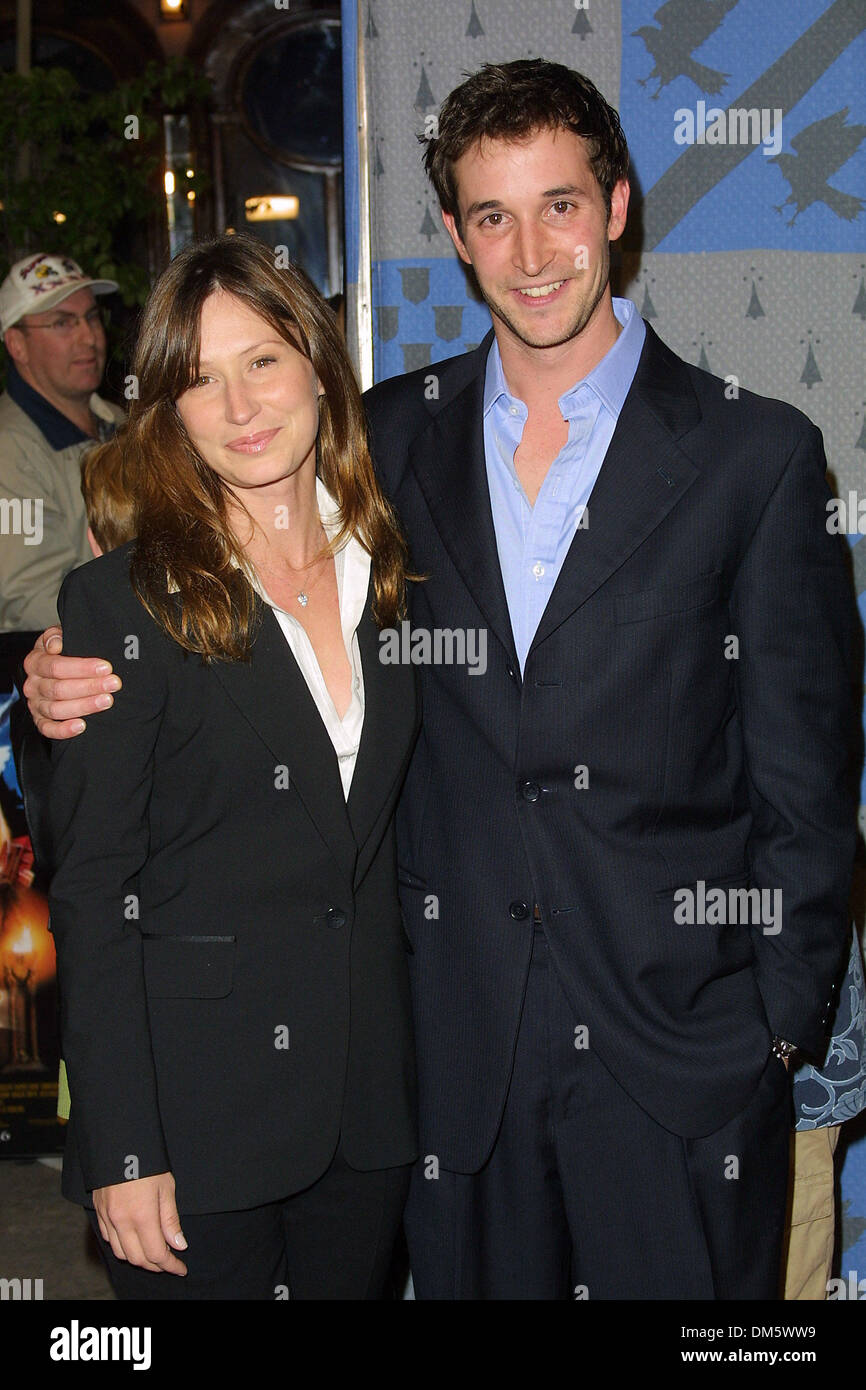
[[188, 568]]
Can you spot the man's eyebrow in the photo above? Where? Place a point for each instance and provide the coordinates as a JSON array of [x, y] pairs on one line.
[[494, 204], [489, 206]]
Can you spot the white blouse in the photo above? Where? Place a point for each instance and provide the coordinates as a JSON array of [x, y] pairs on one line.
[[352, 564]]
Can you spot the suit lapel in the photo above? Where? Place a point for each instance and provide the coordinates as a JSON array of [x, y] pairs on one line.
[[273, 697], [643, 476], [448, 461], [390, 717]]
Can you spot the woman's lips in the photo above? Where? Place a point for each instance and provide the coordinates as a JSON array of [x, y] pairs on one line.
[[252, 443]]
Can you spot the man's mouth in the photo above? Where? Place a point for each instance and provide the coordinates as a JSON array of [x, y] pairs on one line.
[[541, 291]]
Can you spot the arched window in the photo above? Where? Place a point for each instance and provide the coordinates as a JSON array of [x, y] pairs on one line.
[[276, 133]]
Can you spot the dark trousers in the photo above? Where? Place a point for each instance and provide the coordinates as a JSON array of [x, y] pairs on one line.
[[334, 1240], [585, 1196]]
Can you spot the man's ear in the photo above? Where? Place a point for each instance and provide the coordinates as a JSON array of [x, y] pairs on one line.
[[618, 210], [15, 342], [451, 229]]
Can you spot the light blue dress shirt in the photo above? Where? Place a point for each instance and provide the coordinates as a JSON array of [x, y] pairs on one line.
[[533, 541]]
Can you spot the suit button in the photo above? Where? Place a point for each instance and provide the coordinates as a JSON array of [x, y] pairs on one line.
[[530, 791], [510, 670], [335, 917], [519, 911]]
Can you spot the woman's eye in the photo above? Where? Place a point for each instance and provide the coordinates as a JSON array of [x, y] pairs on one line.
[[263, 360]]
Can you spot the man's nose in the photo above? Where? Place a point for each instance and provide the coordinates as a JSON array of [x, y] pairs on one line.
[[89, 332], [532, 251]]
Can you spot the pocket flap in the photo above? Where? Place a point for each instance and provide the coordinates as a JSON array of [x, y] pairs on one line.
[[188, 967], [669, 598], [407, 879]]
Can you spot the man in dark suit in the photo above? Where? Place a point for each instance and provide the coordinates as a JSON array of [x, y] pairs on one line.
[[626, 849], [625, 846]]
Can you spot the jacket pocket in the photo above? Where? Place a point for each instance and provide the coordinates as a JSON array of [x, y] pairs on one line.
[[188, 967], [668, 598], [408, 879], [737, 878]]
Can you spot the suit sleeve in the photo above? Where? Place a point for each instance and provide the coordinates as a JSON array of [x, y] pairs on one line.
[[97, 817], [793, 609]]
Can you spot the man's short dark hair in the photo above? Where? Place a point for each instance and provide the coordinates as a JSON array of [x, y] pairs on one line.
[[510, 101]]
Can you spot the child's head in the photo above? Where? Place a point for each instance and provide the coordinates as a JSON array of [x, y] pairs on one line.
[[108, 502]]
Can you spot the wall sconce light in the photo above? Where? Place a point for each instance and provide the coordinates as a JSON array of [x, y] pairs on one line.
[[274, 208], [173, 9]]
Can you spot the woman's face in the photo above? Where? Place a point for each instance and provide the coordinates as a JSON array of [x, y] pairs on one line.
[[253, 411]]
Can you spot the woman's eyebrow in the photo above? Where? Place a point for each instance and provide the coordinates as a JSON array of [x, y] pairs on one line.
[[252, 347]]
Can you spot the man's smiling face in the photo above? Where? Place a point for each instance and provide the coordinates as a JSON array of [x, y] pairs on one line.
[[534, 227]]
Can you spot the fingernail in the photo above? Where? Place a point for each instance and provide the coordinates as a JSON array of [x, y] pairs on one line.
[[113, 683], [180, 1241], [104, 701], [78, 727], [52, 639], [103, 665]]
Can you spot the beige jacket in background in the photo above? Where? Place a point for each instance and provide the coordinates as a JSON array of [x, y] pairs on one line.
[[30, 470]]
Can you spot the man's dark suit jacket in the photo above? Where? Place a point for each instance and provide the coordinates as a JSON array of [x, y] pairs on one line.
[[231, 955], [707, 520]]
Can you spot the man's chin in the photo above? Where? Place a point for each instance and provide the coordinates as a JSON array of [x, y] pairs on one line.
[[536, 335], [87, 381]]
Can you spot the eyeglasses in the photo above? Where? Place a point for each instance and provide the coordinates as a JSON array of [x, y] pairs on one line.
[[66, 324]]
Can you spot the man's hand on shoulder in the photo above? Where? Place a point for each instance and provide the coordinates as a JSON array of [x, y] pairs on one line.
[[62, 690]]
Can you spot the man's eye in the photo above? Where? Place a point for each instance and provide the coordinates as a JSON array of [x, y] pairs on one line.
[[561, 206], [491, 219]]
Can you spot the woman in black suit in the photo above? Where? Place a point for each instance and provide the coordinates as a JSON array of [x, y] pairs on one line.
[[232, 964]]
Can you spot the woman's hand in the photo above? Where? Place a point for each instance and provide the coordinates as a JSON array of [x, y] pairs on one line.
[[139, 1221], [61, 689]]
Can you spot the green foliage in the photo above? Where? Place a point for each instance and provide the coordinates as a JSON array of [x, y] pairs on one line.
[[66, 150]]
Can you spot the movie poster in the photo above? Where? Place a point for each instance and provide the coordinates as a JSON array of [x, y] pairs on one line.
[[29, 1042]]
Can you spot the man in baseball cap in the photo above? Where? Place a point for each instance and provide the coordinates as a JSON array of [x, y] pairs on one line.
[[49, 415]]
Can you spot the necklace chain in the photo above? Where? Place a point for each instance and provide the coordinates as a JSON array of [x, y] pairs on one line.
[[303, 595]]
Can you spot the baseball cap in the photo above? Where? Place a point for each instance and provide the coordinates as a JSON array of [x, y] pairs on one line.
[[41, 282]]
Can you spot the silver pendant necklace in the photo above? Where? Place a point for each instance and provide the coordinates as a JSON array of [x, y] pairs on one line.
[[303, 595]]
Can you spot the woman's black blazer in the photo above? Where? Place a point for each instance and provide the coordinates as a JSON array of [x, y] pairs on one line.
[[231, 956]]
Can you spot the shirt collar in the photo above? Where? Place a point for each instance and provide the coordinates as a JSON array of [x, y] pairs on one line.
[[59, 431], [494, 381], [610, 379]]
